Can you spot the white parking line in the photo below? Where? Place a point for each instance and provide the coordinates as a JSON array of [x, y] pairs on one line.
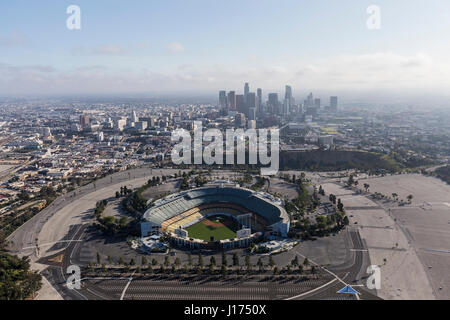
[[127, 285]]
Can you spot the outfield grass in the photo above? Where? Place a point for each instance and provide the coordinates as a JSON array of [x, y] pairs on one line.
[[203, 231]]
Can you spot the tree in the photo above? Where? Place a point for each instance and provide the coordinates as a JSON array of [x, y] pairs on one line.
[[306, 262], [150, 270], [154, 262], [132, 262], [18, 281], [200, 260], [340, 205], [99, 260], [212, 261], [260, 265], [224, 259], [321, 191], [350, 181], [271, 262], [366, 186], [288, 269], [121, 262], [346, 221], [275, 270], [199, 270], [248, 263], [224, 270], [144, 261], [313, 270], [235, 259], [410, 197], [190, 259], [166, 261]]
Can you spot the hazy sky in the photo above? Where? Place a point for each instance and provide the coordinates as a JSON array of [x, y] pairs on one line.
[[201, 46]]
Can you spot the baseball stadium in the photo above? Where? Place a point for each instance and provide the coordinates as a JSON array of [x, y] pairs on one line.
[[221, 216]]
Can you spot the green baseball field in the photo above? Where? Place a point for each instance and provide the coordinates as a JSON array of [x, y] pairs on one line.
[[219, 227]]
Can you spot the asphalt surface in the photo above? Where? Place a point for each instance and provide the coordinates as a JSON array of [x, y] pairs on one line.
[[23, 242]]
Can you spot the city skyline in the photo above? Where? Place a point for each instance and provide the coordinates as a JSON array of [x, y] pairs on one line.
[[196, 49]]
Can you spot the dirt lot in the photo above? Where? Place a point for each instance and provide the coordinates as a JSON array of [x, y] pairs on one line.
[[425, 223]]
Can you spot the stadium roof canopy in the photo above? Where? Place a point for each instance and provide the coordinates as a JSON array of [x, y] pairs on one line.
[[257, 202]]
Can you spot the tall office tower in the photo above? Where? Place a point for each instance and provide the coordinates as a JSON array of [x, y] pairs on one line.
[[272, 103], [309, 102], [84, 121], [289, 101], [240, 103], [288, 93], [232, 100], [246, 91], [222, 100], [286, 107], [333, 103], [259, 101], [317, 104], [252, 114], [251, 104]]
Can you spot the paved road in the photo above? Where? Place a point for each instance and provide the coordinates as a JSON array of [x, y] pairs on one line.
[[28, 233], [65, 218]]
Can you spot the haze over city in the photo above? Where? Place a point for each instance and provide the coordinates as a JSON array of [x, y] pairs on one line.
[[174, 151], [198, 47]]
